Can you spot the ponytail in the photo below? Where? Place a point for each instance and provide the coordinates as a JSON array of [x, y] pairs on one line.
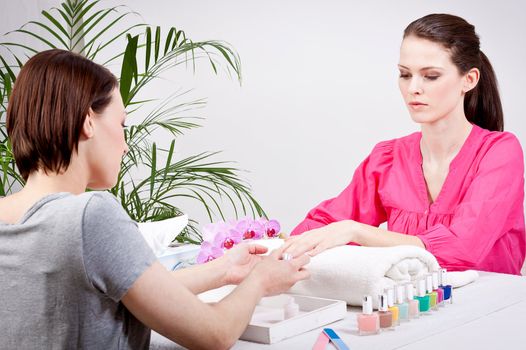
[[482, 104]]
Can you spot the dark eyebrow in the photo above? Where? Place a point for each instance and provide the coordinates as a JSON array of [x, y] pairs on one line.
[[421, 69]]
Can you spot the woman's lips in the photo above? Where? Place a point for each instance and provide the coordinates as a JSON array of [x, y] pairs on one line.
[[417, 105]]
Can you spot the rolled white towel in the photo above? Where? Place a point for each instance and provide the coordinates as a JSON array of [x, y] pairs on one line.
[[350, 272]]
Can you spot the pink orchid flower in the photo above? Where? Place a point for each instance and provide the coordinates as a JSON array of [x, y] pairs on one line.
[[227, 239], [272, 228], [208, 252], [251, 229]]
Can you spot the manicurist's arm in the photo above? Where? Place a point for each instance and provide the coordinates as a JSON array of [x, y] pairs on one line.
[[164, 304], [231, 268]]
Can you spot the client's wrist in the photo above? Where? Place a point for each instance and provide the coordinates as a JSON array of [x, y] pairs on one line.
[[352, 231]]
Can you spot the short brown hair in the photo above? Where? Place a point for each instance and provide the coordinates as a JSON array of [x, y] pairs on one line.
[[51, 97]]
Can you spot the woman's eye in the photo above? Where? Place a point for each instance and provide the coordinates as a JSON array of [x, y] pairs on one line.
[[431, 77], [404, 76]]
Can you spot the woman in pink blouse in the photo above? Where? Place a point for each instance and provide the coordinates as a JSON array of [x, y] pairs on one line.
[[457, 187]]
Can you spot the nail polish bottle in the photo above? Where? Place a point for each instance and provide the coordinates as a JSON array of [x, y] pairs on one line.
[[394, 309], [432, 295], [368, 321], [413, 303], [448, 290], [386, 317], [422, 297], [403, 307], [437, 289]]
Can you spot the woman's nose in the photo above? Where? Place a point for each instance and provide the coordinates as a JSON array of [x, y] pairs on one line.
[[415, 86]]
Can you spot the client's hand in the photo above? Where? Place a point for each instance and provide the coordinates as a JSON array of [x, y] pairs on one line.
[[316, 241], [277, 276], [240, 260]]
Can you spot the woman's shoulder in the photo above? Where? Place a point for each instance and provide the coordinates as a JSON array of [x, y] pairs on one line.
[[503, 144], [100, 203], [93, 200], [503, 138], [401, 146]]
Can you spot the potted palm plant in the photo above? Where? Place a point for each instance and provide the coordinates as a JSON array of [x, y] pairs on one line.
[[143, 54]]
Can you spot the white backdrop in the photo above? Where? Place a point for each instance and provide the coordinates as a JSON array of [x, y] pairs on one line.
[[319, 83]]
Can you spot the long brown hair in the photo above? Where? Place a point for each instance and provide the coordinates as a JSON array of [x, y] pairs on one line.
[[51, 98], [482, 104]]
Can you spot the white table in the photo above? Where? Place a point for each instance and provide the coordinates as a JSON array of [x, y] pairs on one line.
[[487, 314]]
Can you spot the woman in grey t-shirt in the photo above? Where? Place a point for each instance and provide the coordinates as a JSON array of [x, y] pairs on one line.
[[74, 269]]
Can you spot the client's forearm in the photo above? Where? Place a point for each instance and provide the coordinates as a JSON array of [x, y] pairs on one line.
[[371, 236]]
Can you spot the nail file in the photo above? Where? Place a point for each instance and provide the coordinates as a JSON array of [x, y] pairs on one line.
[[335, 339], [322, 342]]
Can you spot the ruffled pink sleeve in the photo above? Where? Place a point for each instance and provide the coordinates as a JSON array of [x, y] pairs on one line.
[[487, 227], [360, 200]]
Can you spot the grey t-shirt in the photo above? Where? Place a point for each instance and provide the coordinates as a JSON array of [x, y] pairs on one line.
[[64, 268]]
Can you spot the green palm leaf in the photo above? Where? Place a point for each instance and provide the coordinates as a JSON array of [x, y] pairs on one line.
[[89, 28]]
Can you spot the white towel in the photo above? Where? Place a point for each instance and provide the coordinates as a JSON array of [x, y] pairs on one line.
[[350, 272], [460, 278]]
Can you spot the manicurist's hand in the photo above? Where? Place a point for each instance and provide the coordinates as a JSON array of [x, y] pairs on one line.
[[316, 241], [276, 276], [240, 260]]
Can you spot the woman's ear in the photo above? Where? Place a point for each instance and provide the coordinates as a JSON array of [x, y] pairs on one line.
[[88, 126], [471, 79]]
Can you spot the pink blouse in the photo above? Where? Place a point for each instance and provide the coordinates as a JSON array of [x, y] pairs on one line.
[[476, 221]]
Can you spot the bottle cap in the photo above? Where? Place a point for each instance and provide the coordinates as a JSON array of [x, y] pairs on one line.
[[435, 280], [382, 302], [409, 291], [429, 283], [421, 288], [400, 294], [367, 305], [390, 296]]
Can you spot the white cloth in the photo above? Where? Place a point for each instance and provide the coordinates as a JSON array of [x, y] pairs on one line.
[[460, 278], [160, 234], [350, 272]]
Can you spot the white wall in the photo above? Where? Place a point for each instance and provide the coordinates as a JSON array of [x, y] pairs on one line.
[[319, 84]]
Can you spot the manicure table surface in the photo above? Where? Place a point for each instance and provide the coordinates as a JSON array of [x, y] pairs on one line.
[[489, 313]]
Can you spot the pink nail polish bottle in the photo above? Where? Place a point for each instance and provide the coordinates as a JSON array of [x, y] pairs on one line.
[[386, 317], [414, 305], [368, 321], [438, 290]]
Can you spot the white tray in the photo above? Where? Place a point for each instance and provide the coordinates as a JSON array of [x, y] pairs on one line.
[[314, 313]]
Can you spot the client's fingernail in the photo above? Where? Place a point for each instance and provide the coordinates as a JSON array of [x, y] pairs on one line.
[[286, 256]]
